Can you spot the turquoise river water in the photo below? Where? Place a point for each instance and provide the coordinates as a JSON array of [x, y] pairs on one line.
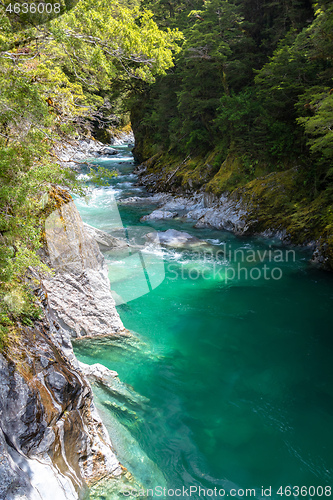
[[237, 373]]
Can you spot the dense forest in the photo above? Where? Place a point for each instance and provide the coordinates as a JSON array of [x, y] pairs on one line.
[[230, 91], [247, 109]]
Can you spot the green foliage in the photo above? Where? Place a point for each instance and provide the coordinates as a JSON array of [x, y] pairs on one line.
[[252, 89], [211, 98], [103, 41], [211, 65], [52, 76]]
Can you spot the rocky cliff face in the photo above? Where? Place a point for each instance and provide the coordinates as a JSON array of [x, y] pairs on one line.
[[263, 206], [53, 444]]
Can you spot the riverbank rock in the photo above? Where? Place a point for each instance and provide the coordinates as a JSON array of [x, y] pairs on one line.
[[107, 151], [264, 206], [79, 292], [220, 213], [227, 214], [158, 199], [104, 240], [72, 154], [125, 136], [183, 204], [53, 443], [159, 215], [176, 239]]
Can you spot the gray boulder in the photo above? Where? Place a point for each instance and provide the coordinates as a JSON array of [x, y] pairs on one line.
[[104, 240], [52, 441], [107, 151]]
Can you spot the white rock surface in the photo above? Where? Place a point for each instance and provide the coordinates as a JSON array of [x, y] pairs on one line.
[[123, 138], [159, 214], [79, 292], [52, 440], [98, 371], [221, 213], [158, 198], [43, 481], [176, 239], [182, 203], [107, 151]]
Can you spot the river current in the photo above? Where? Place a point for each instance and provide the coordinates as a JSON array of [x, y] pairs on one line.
[[236, 374]]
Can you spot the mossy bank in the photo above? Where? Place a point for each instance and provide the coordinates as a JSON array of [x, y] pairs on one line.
[[282, 202]]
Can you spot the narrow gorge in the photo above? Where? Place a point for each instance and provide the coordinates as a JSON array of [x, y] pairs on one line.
[[166, 249]]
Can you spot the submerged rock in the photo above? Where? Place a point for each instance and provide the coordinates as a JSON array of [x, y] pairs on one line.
[[159, 214], [100, 374], [174, 238], [104, 240]]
